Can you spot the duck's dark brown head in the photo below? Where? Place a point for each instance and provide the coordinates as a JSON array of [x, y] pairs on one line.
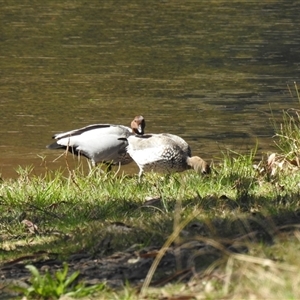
[[138, 125]]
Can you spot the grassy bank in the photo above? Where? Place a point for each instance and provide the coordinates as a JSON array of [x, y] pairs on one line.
[[239, 224], [232, 234]]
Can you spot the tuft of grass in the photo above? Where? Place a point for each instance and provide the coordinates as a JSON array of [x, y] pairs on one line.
[[53, 287], [287, 133]]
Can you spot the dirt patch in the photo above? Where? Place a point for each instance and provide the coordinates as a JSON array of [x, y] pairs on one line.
[[181, 261]]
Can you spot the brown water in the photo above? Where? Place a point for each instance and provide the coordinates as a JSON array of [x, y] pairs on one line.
[[206, 70]]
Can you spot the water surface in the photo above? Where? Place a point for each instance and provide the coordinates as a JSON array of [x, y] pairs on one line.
[[210, 71]]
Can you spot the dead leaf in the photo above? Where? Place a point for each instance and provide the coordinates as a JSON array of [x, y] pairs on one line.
[[271, 159], [152, 201], [30, 226], [149, 254]]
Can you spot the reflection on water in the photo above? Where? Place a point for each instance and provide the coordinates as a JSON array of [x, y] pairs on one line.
[[207, 70]]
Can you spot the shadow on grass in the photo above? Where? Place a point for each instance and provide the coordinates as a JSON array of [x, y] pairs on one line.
[[118, 243]]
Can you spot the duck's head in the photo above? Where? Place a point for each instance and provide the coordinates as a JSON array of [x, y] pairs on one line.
[[138, 125], [198, 164]]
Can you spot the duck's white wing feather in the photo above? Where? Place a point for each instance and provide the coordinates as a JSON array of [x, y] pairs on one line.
[[99, 144], [95, 128]]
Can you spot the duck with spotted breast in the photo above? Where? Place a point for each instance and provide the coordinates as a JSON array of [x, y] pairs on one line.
[[100, 142], [163, 153]]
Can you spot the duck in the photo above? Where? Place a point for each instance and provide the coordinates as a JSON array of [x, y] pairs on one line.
[[163, 153], [100, 143]]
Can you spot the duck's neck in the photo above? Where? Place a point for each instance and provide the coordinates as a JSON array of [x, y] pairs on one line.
[[135, 131]]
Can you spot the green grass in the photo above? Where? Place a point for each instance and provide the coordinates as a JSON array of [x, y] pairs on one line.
[[244, 215], [287, 137], [47, 286], [72, 214]]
